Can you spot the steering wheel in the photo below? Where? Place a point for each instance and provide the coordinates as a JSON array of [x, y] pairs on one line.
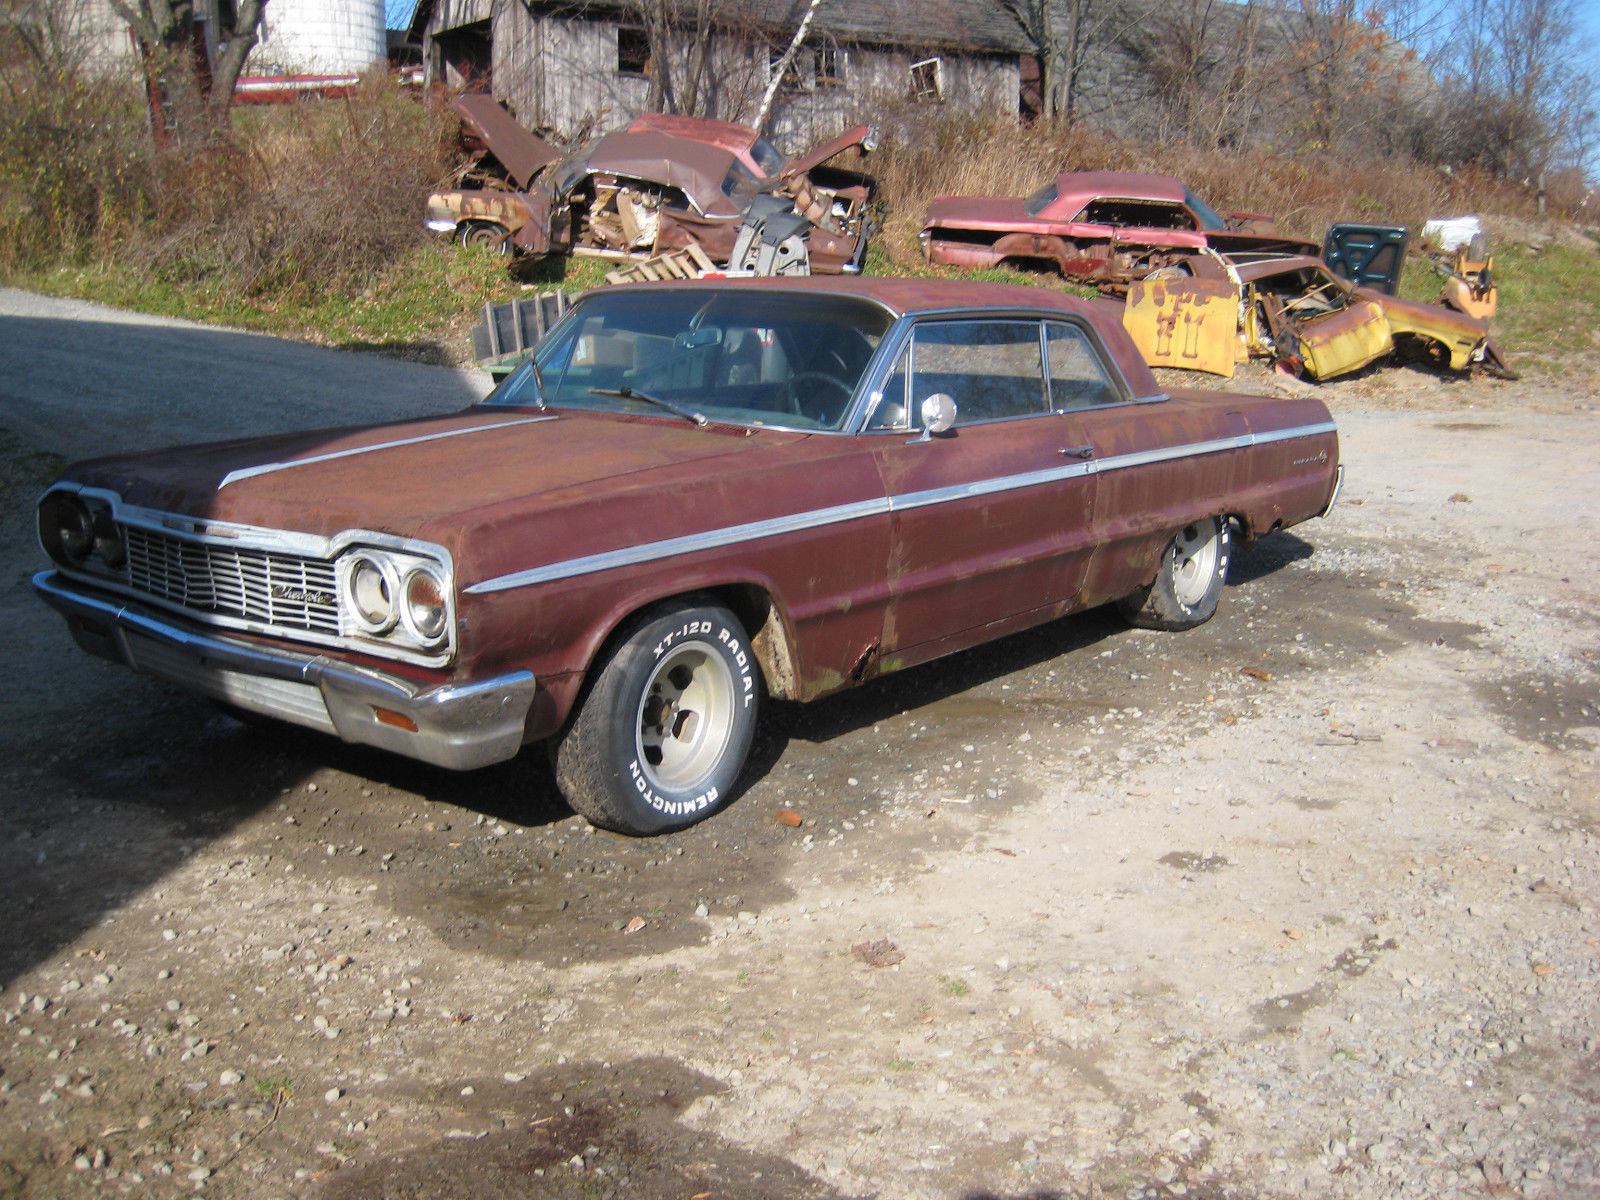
[[808, 382]]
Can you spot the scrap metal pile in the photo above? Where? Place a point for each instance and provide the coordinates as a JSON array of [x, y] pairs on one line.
[[674, 197], [663, 184]]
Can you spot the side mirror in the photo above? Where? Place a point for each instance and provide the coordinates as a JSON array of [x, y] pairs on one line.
[[938, 414]]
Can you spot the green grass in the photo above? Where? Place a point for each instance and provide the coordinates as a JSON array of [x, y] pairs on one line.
[[421, 306], [1549, 309]]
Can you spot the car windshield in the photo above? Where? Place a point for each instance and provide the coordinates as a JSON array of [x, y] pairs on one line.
[[1208, 215], [736, 355], [767, 157], [1035, 203]]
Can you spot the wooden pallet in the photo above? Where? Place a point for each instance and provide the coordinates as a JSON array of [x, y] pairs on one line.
[[691, 262]]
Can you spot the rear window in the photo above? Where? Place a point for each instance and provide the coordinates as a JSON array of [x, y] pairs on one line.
[[1035, 204]]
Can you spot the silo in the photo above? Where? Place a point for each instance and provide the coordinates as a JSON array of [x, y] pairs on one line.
[[322, 36]]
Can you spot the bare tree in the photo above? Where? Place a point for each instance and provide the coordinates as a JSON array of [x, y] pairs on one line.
[[1520, 96], [1066, 35], [188, 86]]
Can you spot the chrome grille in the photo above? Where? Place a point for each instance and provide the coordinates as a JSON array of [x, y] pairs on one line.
[[287, 591]]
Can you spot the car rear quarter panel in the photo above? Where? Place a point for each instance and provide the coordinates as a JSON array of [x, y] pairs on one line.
[[1282, 481]]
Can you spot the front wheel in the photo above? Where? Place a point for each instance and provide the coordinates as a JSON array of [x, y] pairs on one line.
[[496, 238], [661, 736], [1188, 585]]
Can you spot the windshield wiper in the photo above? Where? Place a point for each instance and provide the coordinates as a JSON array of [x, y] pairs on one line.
[[628, 393]]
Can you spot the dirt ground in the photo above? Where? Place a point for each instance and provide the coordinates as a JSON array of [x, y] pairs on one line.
[[1300, 903]]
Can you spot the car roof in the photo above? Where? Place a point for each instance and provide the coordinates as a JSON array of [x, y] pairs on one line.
[[911, 297], [1119, 185]]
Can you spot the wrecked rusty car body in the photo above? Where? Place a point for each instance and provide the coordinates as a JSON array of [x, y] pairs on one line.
[[661, 184], [1105, 228], [695, 495], [1295, 310]]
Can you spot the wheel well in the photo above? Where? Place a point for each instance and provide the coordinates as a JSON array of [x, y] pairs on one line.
[[757, 612], [769, 637]]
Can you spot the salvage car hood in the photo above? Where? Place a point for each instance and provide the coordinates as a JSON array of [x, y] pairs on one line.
[[406, 479], [521, 153]]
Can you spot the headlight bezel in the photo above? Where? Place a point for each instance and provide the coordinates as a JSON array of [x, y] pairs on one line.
[[94, 547], [398, 628]]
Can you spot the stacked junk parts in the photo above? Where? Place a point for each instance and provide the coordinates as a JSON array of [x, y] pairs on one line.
[[671, 197]]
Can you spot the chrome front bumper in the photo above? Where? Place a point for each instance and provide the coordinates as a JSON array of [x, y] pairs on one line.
[[459, 726]]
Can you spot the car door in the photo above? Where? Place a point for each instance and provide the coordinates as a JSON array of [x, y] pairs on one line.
[[989, 519], [1158, 462]]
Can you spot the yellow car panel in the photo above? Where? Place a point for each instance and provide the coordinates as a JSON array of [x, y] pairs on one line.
[[1188, 323]]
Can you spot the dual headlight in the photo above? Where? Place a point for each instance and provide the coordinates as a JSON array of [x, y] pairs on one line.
[[80, 533], [395, 597]]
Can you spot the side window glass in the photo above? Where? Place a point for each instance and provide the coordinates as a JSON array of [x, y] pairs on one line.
[[894, 410], [1078, 379], [991, 369]]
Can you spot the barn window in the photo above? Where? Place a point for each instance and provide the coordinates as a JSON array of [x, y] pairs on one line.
[[829, 67], [633, 51], [927, 80]]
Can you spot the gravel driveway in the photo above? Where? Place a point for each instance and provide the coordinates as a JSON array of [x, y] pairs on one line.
[[1301, 903]]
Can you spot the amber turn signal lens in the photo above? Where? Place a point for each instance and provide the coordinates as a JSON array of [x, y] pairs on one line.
[[387, 716]]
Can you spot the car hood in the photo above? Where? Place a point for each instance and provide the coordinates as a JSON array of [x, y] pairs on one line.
[[418, 478], [521, 153], [981, 212], [863, 139]]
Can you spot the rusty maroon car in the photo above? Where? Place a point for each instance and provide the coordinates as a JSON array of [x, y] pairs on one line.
[[693, 496], [1100, 227]]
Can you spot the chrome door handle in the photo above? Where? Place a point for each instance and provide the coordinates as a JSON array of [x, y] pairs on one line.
[[1077, 452]]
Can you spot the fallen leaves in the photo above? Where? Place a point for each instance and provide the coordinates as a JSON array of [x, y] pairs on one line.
[[788, 816], [1460, 498], [881, 953], [1256, 673], [634, 925], [1542, 969]]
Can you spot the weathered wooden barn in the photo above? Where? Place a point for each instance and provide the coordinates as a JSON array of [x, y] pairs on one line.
[[575, 66]]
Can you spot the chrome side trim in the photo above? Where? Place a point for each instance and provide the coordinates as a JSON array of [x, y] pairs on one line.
[[270, 468], [796, 522], [1297, 431], [1144, 458], [987, 487], [670, 548]]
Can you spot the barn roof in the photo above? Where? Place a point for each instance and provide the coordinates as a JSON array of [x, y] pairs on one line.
[[974, 26]]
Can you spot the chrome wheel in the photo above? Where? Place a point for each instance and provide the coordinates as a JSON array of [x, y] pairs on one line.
[[685, 718], [1195, 554]]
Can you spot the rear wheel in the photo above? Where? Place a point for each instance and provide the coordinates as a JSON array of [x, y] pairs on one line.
[[661, 736], [1188, 585]]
